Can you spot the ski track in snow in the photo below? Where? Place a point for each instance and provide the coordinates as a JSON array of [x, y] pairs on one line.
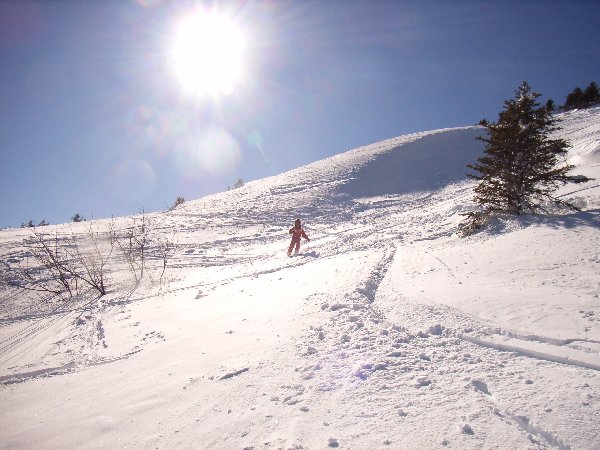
[[369, 356], [358, 346]]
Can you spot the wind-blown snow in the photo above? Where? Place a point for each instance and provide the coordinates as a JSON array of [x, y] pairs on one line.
[[388, 331]]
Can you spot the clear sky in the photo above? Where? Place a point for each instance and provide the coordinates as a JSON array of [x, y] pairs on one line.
[[95, 117]]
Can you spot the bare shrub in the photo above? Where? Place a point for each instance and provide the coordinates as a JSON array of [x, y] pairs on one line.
[[60, 266], [42, 269], [65, 266], [132, 244], [164, 249], [89, 266], [473, 222], [178, 201]]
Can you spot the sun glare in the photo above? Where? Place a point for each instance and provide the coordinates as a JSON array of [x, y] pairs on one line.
[[207, 54]]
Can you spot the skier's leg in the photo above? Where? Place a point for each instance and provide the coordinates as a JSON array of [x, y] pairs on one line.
[[297, 246], [291, 247]]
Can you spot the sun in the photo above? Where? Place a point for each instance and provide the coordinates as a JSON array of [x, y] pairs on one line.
[[207, 54]]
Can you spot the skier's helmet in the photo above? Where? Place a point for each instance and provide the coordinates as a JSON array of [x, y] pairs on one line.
[[298, 222]]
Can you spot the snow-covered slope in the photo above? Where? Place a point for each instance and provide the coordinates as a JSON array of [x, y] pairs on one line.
[[388, 331]]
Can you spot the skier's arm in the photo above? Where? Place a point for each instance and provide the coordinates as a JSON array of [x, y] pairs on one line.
[[305, 236]]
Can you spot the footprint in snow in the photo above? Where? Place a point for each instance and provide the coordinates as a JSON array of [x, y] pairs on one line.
[[422, 382], [480, 386], [363, 375], [436, 330], [466, 428]]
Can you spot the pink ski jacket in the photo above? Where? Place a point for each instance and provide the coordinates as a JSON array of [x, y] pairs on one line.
[[297, 233]]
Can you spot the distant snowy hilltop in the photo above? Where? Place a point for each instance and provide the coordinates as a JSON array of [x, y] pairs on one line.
[[388, 330]]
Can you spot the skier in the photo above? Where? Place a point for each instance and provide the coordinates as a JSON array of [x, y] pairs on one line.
[[297, 233]]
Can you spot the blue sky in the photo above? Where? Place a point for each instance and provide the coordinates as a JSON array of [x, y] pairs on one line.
[[94, 120]]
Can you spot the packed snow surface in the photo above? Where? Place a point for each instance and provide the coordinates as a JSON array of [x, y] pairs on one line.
[[387, 331]]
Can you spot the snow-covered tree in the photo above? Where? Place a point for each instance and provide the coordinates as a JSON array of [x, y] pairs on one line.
[[521, 168]]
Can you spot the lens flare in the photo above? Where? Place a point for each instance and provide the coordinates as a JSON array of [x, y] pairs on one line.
[[133, 179], [256, 140], [149, 3], [154, 130], [213, 151]]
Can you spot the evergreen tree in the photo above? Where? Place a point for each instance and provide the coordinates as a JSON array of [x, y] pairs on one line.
[[575, 100], [591, 95], [520, 168]]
